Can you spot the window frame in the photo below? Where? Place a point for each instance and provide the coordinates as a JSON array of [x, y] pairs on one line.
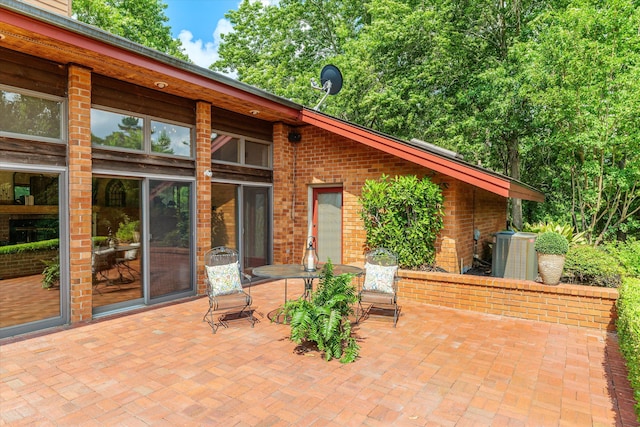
[[242, 139], [45, 96], [147, 147]]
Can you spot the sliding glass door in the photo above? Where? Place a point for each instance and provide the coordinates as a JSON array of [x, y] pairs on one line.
[[170, 238], [33, 250], [241, 219]]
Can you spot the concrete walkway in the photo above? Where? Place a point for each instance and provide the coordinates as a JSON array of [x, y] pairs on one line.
[[439, 367]]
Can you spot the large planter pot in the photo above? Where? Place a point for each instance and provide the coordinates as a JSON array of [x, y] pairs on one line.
[[550, 268]]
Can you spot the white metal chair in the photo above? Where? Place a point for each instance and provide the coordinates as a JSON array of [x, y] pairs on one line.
[[224, 288], [380, 288], [123, 263]]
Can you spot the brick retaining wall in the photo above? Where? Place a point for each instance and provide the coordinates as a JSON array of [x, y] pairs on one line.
[[25, 263], [585, 306]]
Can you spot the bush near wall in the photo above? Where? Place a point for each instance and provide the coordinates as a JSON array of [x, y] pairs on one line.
[[628, 326], [588, 265]]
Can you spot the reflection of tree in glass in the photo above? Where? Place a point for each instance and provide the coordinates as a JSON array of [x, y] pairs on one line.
[[29, 115], [163, 143], [129, 135]]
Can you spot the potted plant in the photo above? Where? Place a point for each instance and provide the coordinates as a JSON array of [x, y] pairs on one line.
[[51, 273], [551, 248], [323, 319]]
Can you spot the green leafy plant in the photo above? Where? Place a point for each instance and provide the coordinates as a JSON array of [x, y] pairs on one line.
[[564, 229], [404, 215], [588, 265], [128, 231], [628, 327], [551, 243], [51, 273], [42, 245], [324, 318], [628, 253]]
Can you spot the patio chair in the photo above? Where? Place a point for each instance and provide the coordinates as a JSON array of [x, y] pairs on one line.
[[102, 261], [224, 288], [123, 263], [379, 290]]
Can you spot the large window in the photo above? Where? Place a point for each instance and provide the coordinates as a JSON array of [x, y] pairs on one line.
[[241, 150], [30, 114], [129, 131], [31, 259]]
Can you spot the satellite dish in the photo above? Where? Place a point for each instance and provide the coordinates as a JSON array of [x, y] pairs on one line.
[[331, 80], [332, 77]]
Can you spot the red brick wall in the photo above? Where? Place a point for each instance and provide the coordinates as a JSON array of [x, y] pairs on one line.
[[24, 263], [79, 158], [574, 305], [203, 190], [324, 159]]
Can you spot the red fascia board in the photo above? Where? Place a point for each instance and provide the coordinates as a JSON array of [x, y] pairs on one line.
[[459, 171], [102, 48]]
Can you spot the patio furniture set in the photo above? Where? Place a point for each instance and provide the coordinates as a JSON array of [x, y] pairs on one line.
[[229, 300]]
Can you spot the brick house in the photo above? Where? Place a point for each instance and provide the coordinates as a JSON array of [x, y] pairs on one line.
[[105, 142]]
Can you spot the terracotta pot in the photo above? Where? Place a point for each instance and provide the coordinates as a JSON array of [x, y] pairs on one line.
[[550, 268]]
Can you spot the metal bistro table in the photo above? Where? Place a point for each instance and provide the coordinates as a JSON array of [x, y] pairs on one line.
[[296, 271]]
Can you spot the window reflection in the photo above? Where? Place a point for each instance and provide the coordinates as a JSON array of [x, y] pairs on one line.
[[35, 116], [29, 244], [170, 139], [116, 130]]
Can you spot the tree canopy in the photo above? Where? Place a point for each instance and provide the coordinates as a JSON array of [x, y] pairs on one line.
[[546, 92], [141, 21]]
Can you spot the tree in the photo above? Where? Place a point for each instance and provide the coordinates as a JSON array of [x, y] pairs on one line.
[[584, 72], [141, 21]]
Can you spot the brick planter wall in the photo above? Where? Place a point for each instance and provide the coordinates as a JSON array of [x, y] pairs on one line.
[[585, 306], [24, 263]]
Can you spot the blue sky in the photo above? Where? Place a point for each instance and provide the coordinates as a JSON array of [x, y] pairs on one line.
[[199, 23]]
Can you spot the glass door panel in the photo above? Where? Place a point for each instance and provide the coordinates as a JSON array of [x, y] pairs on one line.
[[327, 223], [170, 267], [224, 215], [256, 208], [30, 241], [117, 248]]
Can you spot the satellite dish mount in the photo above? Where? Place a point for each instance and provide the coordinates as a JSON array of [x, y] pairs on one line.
[[331, 81]]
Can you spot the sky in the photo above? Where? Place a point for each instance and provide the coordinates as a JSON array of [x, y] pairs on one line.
[[199, 23]]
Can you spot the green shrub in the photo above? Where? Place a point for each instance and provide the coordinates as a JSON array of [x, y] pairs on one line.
[[404, 215], [565, 229], [43, 245], [592, 266], [324, 318], [551, 243], [628, 253], [628, 326]]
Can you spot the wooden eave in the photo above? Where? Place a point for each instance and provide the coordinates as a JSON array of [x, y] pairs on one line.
[[67, 41], [476, 176]]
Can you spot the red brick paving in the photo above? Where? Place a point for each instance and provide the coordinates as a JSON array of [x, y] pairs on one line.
[[439, 367]]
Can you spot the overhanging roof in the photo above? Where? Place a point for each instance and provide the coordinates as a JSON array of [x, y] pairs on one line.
[[453, 167], [57, 38]]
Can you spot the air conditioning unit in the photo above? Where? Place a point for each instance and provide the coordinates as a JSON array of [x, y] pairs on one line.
[[500, 252], [522, 261]]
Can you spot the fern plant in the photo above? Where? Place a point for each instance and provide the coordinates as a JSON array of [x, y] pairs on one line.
[[324, 318]]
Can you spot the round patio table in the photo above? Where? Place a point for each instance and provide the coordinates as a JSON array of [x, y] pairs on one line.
[[297, 271]]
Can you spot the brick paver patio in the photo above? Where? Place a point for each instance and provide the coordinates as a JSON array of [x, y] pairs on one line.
[[439, 367]]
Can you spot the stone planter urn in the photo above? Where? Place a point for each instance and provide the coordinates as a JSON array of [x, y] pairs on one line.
[[550, 268], [551, 248]]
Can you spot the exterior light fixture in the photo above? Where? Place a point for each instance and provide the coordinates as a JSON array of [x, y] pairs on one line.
[[208, 173], [161, 85], [254, 112]]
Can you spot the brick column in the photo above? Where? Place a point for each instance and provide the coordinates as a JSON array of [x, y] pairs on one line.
[[79, 158], [283, 190], [203, 190]]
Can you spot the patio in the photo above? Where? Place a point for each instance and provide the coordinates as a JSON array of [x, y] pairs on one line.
[[439, 367]]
